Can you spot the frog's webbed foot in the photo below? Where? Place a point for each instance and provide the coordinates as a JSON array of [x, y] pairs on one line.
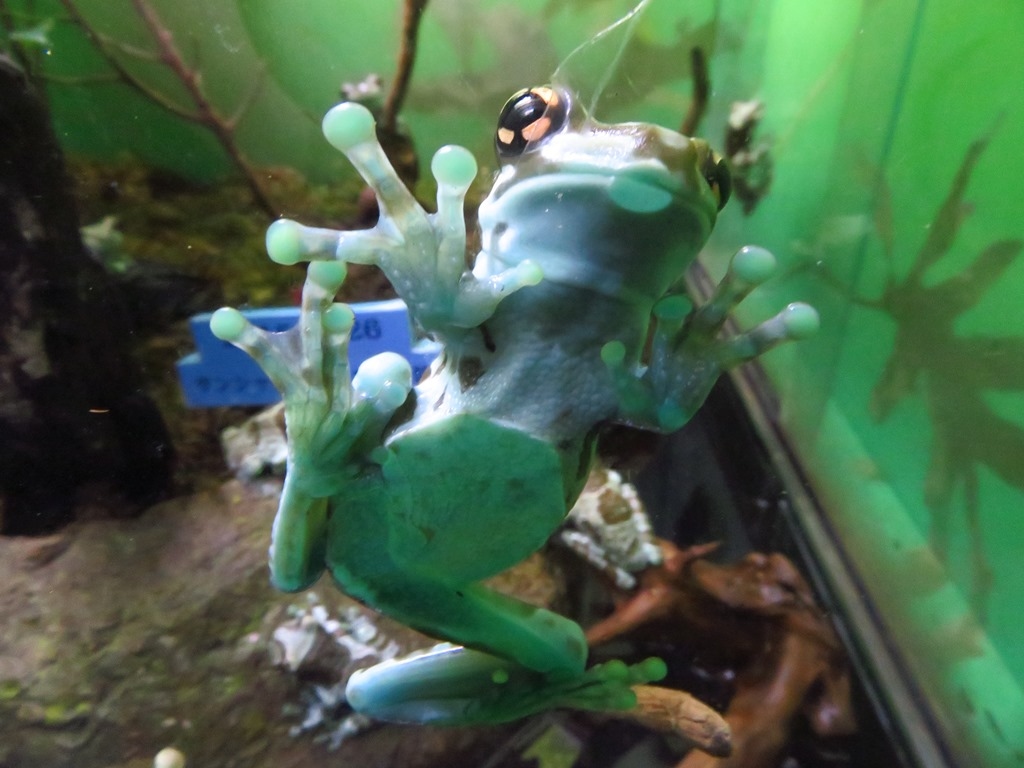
[[334, 422], [452, 685], [687, 356], [422, 254]]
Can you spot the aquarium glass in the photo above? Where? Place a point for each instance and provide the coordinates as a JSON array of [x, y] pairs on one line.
[[895, 203], [891, 131]]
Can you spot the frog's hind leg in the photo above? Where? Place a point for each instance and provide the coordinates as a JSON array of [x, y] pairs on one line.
[[415, 540], [452, 685], [384, 554], [521, 659]]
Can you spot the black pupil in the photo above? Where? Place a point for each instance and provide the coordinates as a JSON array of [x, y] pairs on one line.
[[524, 111]]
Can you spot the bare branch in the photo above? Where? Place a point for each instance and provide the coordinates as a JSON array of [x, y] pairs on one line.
[[701, 90], [259, 80], [167, 53], [406, 59]]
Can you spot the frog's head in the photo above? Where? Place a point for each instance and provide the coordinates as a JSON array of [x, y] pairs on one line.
[[619, 209]]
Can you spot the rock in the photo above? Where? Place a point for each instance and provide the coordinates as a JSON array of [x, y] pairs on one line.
[[257, 447], [121, 635], [169, 757]]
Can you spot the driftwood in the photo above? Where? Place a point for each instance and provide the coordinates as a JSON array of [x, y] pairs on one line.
[[679, 713], [759, 617]]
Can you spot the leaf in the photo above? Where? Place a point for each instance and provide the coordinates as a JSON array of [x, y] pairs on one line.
[[555, 748], [965, 289]]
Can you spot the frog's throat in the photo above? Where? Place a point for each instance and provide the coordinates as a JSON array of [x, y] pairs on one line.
[[661, 186], [564, 269], [647, 192], [640, 194]]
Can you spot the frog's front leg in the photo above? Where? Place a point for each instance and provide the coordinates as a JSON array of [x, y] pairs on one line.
[[333, 424], [687, 356], [422, 254]]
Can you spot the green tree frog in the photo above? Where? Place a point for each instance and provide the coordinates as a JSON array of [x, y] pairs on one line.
[[411, 495]]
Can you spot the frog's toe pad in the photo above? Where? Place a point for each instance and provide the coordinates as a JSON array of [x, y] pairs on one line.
[[753, 265], [348, 125], [228, 324], [384, 379], [454, 167], [801, 321]]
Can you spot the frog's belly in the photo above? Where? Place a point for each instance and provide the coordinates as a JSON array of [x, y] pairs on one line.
[[554, 395], [470, 498]]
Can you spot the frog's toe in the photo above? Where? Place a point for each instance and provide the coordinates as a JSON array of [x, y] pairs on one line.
[[749, 267], [348, 125], [454, 167], [339, 319], [609, 686], [327, 275], [796, 322], [801, 321], [753, 264], [228, 324], [284, 242], [477, 299], [671, 312], [385, 380]]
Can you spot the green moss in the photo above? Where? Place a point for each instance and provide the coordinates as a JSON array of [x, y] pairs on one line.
[[234, 684], [214, 232], [9, 689], [63, 714]]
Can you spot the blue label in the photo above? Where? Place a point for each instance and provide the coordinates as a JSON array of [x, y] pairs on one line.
[[219, 373]]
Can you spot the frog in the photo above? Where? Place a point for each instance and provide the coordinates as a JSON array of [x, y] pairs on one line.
[[570, 318]]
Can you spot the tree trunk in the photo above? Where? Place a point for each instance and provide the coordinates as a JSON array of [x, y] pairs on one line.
[[72, 412]]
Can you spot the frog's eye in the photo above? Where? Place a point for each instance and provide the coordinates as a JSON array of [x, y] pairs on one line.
[[528, 118], [716, 173]]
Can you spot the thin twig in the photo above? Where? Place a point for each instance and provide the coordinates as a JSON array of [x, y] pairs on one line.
[[701, 91], [258, 79], [208, 115], [142, 54], [104, 44], [406, 59]]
